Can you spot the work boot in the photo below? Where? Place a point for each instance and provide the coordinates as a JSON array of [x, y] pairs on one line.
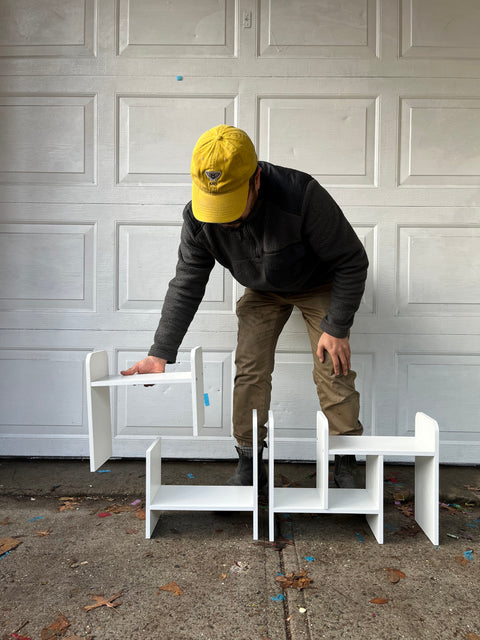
[[243, 475], [346, 474]]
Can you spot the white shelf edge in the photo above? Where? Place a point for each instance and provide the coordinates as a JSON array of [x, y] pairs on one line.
[[143, 378], [202, 498]]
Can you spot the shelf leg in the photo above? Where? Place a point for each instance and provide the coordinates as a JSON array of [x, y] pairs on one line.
[[374, 486], [271, 478], [154, 481], [98, 410], [426, 495]]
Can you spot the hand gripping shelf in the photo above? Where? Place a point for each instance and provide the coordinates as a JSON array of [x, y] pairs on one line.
[[161, 497], [424, 447]]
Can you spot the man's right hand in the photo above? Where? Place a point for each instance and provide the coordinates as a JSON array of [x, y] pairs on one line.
[[150, 364]]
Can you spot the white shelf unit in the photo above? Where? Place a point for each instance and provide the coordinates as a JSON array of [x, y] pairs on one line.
[[424, 446], [160, 497], [99, 414]]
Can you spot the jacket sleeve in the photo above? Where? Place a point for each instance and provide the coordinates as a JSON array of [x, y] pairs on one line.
[[185, 292], [331, 237]]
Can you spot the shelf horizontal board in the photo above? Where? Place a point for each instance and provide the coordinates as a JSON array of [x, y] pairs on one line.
[[352, 501], [297, 500], [377, 445], [294, 500], [202, 498], [143, 378]]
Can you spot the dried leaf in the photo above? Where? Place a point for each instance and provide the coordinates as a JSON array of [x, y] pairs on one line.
[[121, 508], [461, 560], [17, 637], [102, 602], [394, 575], [7, 544], [472, 636], [470, 488], [43, 533], [295, 580], [401, 495], [7, 521], [379, 601], [67, 506], [140, 514], [56, 629], [173, 587], [409, 530]]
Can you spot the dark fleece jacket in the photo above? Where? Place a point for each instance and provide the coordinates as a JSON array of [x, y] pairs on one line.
[[296, 238]]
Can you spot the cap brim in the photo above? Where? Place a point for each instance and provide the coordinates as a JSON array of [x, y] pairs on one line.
[[219, 208]]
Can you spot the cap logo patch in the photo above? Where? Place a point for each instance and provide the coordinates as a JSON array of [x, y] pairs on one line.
[[213, 176]]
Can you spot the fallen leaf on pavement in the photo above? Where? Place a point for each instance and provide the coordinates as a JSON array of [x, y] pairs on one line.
[[472, 636], [379, 601], [140, 514], [461, 560], [394, 575], [56, 629], [121, 508], [103, 602], [7, 544], [173, 587], [295, 580], [43, 533], [7, 521]]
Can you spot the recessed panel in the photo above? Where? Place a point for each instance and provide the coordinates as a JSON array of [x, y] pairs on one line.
[[444, 387], [41, 391], [438, 270], [182, 28], [440, 28], [318, 28], [439, 142], [48, 139], [60, 28], [147, 258], [334, 139], [167, 409], [47, 266], [157, 135]]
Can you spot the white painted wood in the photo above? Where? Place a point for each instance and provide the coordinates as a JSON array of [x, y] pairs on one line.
[[427, 479], [368, 501], [153, 463], [374, 486], [160, 497], [98, 383], [98, 408]]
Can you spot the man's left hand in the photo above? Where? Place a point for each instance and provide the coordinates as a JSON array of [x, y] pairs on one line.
[[339, 350]]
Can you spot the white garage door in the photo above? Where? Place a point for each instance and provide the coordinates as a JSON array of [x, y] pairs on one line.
[[101, 102]]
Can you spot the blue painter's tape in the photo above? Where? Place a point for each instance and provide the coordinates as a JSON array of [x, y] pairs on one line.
[[206, 399], [359, 537], [190, 475], [278, 598], [35, 519], [310, 558], [104, 471], [179, 78]]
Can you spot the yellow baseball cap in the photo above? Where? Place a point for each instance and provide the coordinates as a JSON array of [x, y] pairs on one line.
[[223, 161]]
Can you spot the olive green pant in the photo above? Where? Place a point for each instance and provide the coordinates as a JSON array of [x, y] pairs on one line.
[[261, 318]]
